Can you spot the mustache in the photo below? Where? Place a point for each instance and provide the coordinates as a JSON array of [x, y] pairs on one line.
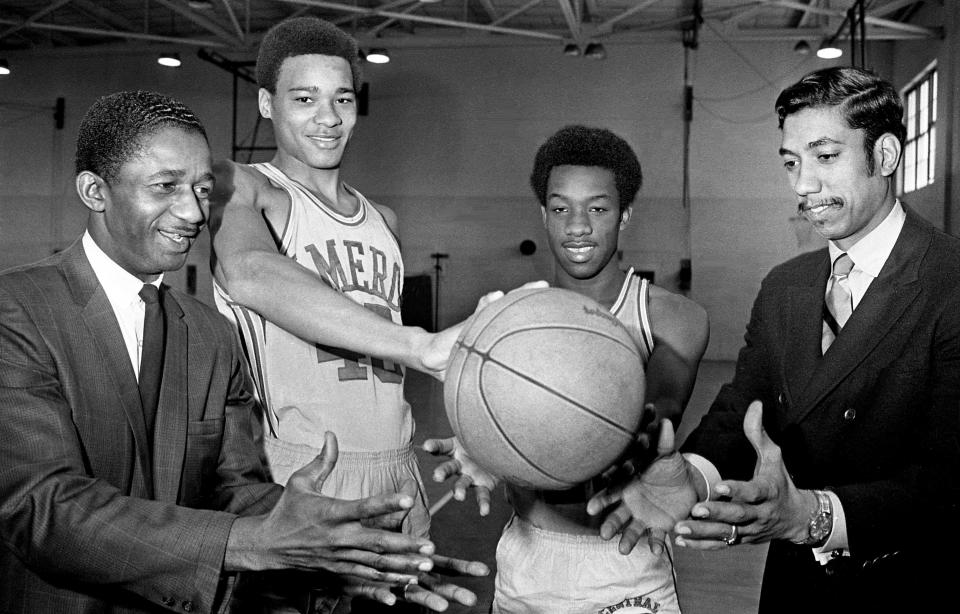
[[805, 204]]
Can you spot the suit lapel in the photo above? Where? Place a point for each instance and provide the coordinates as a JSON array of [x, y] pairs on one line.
[[98, 316], [170, 432], [803, 315], [881, 307]]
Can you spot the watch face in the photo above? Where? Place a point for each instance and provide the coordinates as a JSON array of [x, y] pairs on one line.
[[820, 526]]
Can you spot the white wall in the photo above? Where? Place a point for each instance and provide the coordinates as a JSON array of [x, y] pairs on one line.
[[449, 143]]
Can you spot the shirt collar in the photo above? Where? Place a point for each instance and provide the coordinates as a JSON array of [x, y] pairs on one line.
[[871, 252], [119, 284]]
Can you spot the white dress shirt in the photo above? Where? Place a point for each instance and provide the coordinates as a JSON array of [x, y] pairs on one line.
[[123, 292], [869, 254]]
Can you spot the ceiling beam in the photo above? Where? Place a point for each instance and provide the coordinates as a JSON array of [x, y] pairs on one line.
[[876, 21], [607, 26], [572, 19], [233, 19], [517, 11], [350, 17], [106, 16], [33, 18], [116, 34], [490, 9], [375, 31], [890, 7], [467, 25], [204, 22]]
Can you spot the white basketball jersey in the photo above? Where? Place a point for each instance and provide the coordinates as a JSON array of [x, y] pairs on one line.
[[308, 388], [632, 310]]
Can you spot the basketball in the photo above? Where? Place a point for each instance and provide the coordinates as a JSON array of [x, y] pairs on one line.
[[544, 388]]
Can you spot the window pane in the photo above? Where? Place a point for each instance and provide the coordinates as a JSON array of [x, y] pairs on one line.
[[911, 114], [910, 168], [933, 98], [924, 104], [922, 161], [933, 152]]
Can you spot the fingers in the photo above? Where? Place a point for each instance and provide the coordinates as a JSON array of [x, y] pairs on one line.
[[656, 541], [312, 475], [450, 565], [438, 447], [700, 535], [483, 499], [531, 285], [426, 598], [604, 499], [665, 441], [446, 469], [488, 298], [615, 521], [631, 534]]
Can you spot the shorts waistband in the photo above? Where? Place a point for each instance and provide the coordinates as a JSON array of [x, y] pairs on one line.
[[349, 458]]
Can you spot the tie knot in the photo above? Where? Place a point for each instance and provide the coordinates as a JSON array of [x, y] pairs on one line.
[[842, 265], [149, 293]]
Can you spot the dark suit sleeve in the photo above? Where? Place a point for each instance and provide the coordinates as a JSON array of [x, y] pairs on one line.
[[64, 524], [719, 436]]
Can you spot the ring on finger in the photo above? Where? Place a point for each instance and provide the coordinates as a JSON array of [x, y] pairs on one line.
[[734, 537]]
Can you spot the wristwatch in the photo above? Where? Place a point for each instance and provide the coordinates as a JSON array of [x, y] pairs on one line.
[[821, 522]]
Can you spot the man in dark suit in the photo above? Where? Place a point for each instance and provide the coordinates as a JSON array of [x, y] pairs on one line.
[[847, 389], [112, 500]]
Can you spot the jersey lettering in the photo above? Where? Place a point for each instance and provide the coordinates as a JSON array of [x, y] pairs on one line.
[[358, 258]]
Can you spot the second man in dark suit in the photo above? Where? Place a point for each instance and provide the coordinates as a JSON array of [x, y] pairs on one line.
[[847, 388]]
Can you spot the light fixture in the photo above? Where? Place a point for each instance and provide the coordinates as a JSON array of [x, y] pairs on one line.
[[829, 50], [4, 67], [169, 59], [571, 49], [378, 55], [802, 48], [595, 51]]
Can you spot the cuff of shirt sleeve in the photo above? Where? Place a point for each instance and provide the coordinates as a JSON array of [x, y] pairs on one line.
[[837, 544], [707, 470]]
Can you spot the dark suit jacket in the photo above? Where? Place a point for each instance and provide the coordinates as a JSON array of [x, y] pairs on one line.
[[875, 419], [91, 518]]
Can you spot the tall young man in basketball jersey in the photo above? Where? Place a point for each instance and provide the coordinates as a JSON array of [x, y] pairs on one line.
[[551, 557], [311, 273]]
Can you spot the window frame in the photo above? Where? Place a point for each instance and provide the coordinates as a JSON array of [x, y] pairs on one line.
[[918, 165]]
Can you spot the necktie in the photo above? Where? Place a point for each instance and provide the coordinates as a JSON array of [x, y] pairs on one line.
[[151, 355], [839, 301]]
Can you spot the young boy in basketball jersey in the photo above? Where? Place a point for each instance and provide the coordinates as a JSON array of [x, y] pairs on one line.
[[550, 557], [310, 271]]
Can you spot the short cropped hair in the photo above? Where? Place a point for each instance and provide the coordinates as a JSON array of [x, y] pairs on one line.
[[304, 36], [115, 126], [586, 146], [866, 101]]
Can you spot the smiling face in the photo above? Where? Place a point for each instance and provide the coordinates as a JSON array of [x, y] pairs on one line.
[[147, 218], [826, 165], [583, 221], [313, 112]]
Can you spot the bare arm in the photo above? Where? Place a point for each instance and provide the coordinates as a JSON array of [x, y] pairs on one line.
[[680, 332], [248, 265]]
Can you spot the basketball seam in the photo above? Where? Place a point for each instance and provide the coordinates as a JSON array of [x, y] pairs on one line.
[[485, 358], [630, 347]]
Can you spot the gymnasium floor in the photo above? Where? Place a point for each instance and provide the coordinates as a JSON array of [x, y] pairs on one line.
[[725, 581]]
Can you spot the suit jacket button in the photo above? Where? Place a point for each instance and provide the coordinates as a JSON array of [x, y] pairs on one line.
[[850, 414], [187, 606]]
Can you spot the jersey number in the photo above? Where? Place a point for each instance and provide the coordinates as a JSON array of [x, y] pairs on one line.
[[385, 371]]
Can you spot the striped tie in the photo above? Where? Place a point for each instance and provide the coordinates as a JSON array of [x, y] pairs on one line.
[[839, 301]]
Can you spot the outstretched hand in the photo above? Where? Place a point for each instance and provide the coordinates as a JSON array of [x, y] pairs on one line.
[[651, 503], [436, 354], [308, 531], [468, 473], [431, 590], [767, 507]]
